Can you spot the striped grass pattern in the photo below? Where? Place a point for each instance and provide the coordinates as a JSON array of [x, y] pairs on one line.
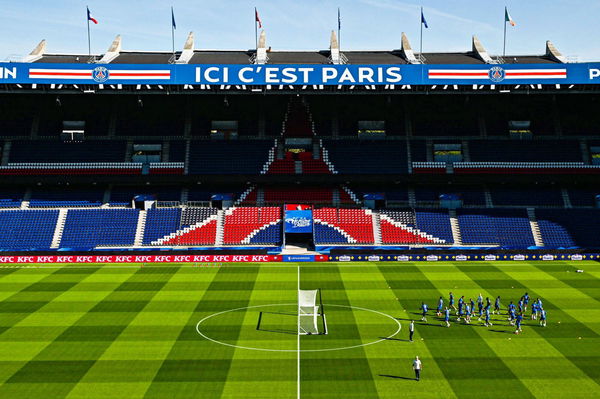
[[132, 332]]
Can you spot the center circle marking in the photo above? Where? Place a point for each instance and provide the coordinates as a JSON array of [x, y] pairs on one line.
[[296, 350]]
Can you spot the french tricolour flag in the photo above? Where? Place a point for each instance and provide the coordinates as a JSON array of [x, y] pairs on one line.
[[90, 18]]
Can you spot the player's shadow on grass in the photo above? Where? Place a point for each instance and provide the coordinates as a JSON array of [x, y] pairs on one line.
[[502, 331], [397, 377], [432, 325]]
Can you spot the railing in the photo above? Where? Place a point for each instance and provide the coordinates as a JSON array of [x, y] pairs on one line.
[[197, 204], [168, 204]]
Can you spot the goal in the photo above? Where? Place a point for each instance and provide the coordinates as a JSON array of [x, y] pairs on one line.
[[310, 312]]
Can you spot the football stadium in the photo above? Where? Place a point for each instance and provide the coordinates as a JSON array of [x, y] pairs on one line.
[[332, 223]]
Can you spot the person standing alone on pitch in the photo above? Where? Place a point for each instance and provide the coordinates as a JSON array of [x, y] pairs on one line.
[[417, 367], [411, 330]]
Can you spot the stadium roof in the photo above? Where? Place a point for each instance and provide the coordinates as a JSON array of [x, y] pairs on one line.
[[404, 55], [293, 57]]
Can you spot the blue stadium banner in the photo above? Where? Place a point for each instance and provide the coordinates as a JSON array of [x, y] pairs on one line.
[[299, 74], [298, 221]]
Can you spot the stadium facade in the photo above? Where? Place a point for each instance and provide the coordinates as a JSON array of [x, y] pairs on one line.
[[382, 152]]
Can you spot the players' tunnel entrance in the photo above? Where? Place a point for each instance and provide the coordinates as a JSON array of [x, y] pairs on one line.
[[298, 226]]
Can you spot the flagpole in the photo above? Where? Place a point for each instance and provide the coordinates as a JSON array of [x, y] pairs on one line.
[[88, 31], [173, 32], [421, 44], [504, 45], [339, 37], [255, 30]]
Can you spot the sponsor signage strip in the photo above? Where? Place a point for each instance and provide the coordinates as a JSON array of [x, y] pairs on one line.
[[300, 74], [165, 259], [461, 257], [22, 259]]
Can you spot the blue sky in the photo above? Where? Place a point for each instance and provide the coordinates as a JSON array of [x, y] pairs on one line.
[[573, 25]]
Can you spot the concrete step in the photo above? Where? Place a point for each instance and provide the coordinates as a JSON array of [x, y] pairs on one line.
[[456, 235], [58, 231], [220, 227], [535, 228], [140, 229]]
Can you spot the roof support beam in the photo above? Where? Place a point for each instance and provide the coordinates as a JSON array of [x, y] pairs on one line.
[[261, 51], [552, 52], [335, 56], [113, 51], [407, 50], [37, 53], [480, 51], [188, 50]]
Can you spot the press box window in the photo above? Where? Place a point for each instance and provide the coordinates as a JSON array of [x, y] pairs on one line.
[[447, 153], [519, 129], [371, 129], [224, 130]]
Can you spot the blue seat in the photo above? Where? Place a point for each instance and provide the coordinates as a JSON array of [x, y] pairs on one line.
[[27, 229]]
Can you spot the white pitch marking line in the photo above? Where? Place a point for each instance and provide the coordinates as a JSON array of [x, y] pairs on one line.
[[298, 331], [294, 350]]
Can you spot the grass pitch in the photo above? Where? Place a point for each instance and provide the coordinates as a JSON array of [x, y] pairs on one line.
[[190, 332]]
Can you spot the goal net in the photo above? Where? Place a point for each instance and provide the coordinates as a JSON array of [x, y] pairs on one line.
[[309, 311]]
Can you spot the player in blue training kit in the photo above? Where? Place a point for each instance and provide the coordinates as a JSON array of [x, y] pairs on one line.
[[488, 323], [518, 321], [424, 308], [511, 316], [543, 318], [440, 307], [451, 301], [511, 312], [534, 310], [447, 317], [480, 300], [497, 305], [526, 300], [461, 304], [472, 303], [467, 314], [520, 305], [480, 314]]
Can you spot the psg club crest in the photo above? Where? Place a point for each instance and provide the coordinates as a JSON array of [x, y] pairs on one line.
[[100, 74], [497, 74]]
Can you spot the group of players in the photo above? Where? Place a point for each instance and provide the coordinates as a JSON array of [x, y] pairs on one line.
[[466, 311]]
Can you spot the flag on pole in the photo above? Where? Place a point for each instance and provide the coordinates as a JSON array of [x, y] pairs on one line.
[[339, 20], [423, 21], [508, 18], [173, 24], [90, 18], [257, 18]]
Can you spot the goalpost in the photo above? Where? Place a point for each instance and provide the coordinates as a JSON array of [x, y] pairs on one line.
[[309, 312]]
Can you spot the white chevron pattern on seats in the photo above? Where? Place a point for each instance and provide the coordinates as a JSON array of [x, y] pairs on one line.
[[255, 232], [412, 229], [183, 231], [341, 231]]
